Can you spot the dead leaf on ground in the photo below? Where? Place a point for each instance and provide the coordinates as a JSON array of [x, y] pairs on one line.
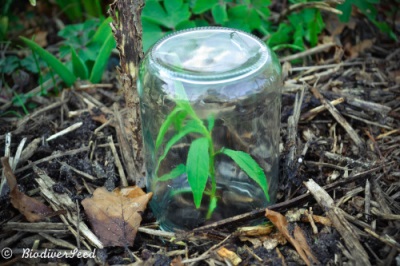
[[115, 216], [229, 255], [31, 208], [355, 50], [177, 261], [281, 223]]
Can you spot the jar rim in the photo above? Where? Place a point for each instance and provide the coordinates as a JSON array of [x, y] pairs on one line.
[[250, 70]]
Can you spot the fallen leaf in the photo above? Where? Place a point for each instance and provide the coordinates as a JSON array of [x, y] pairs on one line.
[[177, 261], [255, 230], [255, 241], [355, 50], [231, 256], [281, 223], [115, 216], [273, 240], [299, 236], [31, 208]]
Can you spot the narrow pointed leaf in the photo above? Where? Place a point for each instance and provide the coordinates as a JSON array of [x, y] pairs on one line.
[[210, 122], [197, 168], [102, 32], [250, 167], [102, 59], [165, 126], [79, 67], [177, 171], [67, 76], [190, 127]]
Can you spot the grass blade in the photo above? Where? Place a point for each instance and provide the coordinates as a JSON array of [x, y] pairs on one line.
[[250, 167], [197, 168], [102, 59], [78, 66], [92, 7], [102, 31], [67, 76]]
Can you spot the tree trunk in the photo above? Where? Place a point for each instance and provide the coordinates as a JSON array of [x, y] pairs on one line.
[[127, 29]]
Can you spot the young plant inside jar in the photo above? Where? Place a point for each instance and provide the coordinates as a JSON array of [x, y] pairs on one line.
[[200, 163]]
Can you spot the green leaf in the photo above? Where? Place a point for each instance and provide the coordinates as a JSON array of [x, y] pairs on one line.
[[202, 6], [165, 126], [197, 168], [151, 34], [177, 171], [185, 25], [219, 13], [174, 13], [210, 122], [9, 64], [67, 76], [191, 127], [102, 32], [314, 27], [93, 7], [3, 27], [250, 167], [72, 8], [282, 35], [78, 66], [102, 59], [212, 206]]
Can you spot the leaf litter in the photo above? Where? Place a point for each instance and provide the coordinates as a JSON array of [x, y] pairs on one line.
[[115, 216], [360, 68]]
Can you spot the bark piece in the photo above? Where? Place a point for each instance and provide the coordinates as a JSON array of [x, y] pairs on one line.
[[335, 214]]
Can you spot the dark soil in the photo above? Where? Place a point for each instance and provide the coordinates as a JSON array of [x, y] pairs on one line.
[[363, 180]]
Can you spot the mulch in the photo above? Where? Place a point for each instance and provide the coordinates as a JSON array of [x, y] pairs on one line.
[[339, 171]]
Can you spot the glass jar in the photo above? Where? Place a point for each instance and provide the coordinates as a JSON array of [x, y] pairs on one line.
[[210, 107]]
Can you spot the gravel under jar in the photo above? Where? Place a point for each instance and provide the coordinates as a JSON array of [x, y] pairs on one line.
[[210, 108]]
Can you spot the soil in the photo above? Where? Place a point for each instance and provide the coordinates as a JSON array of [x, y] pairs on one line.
[[349, 145]]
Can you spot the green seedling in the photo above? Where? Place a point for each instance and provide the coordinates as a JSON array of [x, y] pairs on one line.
[[88, 59], [200, 163]]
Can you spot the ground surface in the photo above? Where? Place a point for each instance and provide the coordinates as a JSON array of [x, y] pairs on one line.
[[345, 136]]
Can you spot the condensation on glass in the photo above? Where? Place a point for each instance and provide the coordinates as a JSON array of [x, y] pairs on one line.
[[233, 76]]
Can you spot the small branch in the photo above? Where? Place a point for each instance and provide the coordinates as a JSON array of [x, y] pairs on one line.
[[339, 118], [65, 131], [314, 50]]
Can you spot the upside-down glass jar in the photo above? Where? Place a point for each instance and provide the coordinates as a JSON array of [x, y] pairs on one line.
[[210, 108]]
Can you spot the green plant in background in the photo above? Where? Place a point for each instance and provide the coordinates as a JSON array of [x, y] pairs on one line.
[[297, 29], [200, 163], [89, 52], [76, 10], [367, 7], [162, 17]]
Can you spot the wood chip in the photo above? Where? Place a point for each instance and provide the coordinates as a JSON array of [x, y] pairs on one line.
[[346, 230]]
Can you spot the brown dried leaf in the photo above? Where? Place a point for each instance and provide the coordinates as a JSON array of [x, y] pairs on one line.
[[281, 223], [177, 261], [299, 236], [257, 230], [231, 256], [355, 50], [31, 208], [115, 217]]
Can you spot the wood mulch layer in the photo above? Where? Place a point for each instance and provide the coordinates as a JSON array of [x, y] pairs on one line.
[[339, 196]]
